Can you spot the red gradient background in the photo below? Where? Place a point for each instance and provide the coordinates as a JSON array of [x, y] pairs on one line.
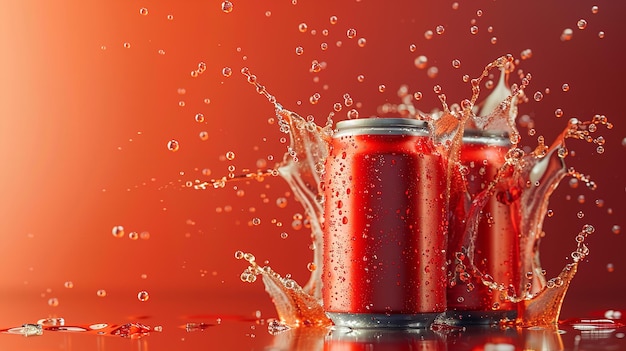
[[84, 124]]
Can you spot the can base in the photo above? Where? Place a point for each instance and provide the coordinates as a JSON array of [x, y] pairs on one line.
[[382, 320], [478, 317]]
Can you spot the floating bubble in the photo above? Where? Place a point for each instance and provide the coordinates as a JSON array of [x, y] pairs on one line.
[[601, 34], [199, 117], [302, 27], [594, 9], [101, 293], [417, 95], [227, 6], [144, 235], [204, 136], [580, 214], [381, 88], [616, 229], [118, 231], [455, 5], [351, 33], [299, 50], [582, 24], [456, 63], [54, 302], [230, 155], [143, 296], [526, 54], [256, 221], [538, 96], [565, 87], [493, 40], [324, 46], [428, 34], [432, 72], [68, 284], [143, 11], [361, 42], [474, 30], [333, 19], [133, 235], [170, 17], [440, 29], [284, 235], [173, 145]]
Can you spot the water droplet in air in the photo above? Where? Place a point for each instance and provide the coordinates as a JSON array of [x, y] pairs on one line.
[[601, 34], [333, 19], [230, 155], [227, 6], [428, 34], [143, 296], [337, 107], [456, 63], [199, 117], [101, 293], [351, 33], [538, 96], [353, 114], [493, 40], [474, 29], [381, 88], [558, 113], [68, 284], [610, 268], [173, 145], [118, 231], [600, 149], [127, 45], [256, 221], [143, 11], [567, 34], [361, 42], [455, 5], [302, 27], [54, 302], [421, 62], [417, 95], [432, 72], [594, 9], [565, 87], [227, 72], [170, 17], [440, 29], [133, 235], [299, 50], [582, 24], [580, 214]]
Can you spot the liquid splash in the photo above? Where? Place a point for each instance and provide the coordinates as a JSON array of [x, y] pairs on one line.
[[525, 182]]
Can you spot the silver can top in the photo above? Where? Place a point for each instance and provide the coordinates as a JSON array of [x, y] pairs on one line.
[[476, 136], [381, 126]]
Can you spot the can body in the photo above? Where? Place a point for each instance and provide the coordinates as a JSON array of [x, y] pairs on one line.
[[384, 225], [495, 246]]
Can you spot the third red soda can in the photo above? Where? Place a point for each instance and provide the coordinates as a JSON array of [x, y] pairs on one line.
[[384, 225], [495, 248]]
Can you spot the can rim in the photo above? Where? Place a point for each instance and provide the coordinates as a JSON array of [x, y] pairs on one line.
[[477, 136], [381, 126]]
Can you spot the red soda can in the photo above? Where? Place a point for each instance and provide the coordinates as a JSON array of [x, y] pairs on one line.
[[495, 250], [384, 225]]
